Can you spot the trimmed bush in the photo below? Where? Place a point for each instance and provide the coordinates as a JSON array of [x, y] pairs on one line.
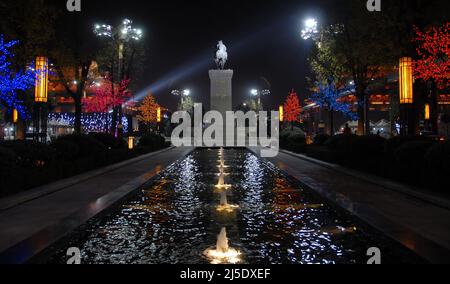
[[10, 181], [396, 142], [321, 139], [152, 141], [27, 164], [31, 154], [294, 141], [109, 141], [410, 160], [87, 145], [66, 150], [359, 152], [8, 159], [438, 166]]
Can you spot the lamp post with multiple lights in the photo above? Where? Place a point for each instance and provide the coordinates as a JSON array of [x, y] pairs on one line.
[[182, 94], [119, 35], [258, 94], [310, 29]]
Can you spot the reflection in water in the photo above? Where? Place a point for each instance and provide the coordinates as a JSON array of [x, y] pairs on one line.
[[175, 217]]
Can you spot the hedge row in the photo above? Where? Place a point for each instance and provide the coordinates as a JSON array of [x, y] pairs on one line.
[[27, 164], [415, 160]]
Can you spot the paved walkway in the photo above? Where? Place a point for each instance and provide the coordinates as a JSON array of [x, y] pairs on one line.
[[419, 224], [25, 220]]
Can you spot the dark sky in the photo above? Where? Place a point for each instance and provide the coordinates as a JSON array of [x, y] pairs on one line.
[[265, 48]]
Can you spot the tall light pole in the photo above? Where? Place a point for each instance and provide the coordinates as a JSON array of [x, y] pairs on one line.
[[258, 94], [182, 94], [119, 35]]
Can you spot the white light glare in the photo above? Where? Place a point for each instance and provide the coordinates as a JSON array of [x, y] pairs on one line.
[[310, 28]]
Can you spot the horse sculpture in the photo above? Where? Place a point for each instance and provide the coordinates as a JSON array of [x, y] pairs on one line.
[[221, 55]]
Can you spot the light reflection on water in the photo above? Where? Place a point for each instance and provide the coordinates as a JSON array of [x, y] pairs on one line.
[[175, 218]]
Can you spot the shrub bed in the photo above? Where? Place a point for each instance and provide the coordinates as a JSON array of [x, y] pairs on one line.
[[27, 164], [414, 160], [437, 162], [294, 141]]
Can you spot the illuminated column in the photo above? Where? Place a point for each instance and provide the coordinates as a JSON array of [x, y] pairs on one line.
[[131, 143], [427, 112], [406, 96], [158, 119], [41, 89], [15, 116], [41, 98], [406, 80], [158, 115], [281, 112]]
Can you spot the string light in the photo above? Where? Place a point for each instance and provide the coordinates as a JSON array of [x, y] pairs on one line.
[[11, 83], [91, 122]]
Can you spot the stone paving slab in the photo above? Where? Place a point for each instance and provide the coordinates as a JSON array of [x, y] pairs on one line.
[[419, 224], [21, 222]]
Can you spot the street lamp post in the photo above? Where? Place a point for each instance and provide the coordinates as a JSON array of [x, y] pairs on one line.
[[120, 36], [258, 94], [182, 94]]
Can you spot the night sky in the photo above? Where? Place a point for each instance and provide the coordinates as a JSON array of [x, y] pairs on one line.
[[263, 40]]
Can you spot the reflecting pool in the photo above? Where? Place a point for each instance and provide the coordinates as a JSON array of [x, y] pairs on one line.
[[226, 206]]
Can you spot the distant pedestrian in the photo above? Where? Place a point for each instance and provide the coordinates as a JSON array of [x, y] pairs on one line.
[[347, 130]]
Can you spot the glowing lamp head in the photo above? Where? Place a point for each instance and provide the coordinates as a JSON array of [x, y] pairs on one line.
[[311, 24], [310, 28], [186, 93], [254, 92]]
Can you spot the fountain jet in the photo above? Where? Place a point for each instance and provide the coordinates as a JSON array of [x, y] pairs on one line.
[[223, 254], [224, 206]]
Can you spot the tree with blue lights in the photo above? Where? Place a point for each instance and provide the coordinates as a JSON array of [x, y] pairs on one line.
[[13, 82], [327, 96]]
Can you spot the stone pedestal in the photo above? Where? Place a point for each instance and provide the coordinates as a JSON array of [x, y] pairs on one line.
[[221, 90], [222, 93]]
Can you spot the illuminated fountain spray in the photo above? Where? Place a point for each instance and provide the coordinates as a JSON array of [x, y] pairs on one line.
[[224, 206], [221, 183], [223, 188], [223, 254], [223, 198]]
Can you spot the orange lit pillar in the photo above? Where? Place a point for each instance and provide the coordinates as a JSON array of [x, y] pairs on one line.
[[406, 96], [131, 143], [41, 98]]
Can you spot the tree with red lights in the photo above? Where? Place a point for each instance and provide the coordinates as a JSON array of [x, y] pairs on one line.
[[433, 48], [292, 109], [433, 65], [106, 97]]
